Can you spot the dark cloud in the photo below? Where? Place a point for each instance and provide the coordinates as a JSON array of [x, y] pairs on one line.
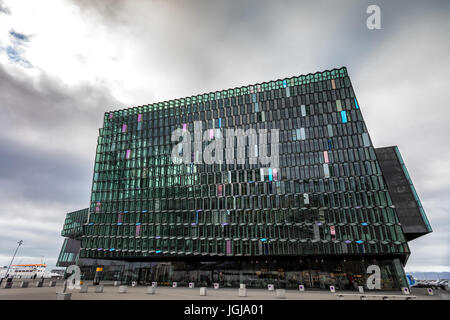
[[43, 179]]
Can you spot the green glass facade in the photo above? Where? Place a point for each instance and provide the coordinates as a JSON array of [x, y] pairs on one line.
[[326, 201], [73, 225], [72, 231]]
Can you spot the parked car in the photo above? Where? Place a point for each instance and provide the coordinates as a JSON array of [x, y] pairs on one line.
[[419, 284], [444, 283], [433, 284]]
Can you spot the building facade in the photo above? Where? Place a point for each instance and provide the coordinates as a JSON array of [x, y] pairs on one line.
[[72, 232], [177, 197]]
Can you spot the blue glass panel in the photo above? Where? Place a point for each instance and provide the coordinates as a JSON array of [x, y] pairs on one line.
[[356, 104], [344, 116]]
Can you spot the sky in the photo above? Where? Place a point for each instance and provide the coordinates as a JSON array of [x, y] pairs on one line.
[[63, 63]]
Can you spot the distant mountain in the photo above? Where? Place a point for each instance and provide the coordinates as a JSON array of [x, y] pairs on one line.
[[430, 275]]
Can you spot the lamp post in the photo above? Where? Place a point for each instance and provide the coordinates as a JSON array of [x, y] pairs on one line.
[[15, 252]]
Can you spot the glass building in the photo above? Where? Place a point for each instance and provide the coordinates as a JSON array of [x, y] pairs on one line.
[[320, 216], [72, 232]]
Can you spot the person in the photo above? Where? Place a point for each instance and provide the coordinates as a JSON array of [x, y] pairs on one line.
[[350, 281]]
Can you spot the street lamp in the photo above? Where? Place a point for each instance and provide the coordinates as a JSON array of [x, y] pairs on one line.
[[19, 244]]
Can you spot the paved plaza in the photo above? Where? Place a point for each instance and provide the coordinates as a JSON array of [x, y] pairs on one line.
[[183, 293]]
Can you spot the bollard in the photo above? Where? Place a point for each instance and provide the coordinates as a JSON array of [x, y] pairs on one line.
[[116, 283], [63, 296], [332, 289], [242, 292], [24, 284], [216, 286], [361, 289], [52, 283], [203, 291], [39, 284], [281, 293], [123, 289], [84, 288], [405, 290], [174, 284], [191, 285], [133, 283], [99, 289], [151, 290], [155, 284], [301, 287], [270, 287], [242, 286]]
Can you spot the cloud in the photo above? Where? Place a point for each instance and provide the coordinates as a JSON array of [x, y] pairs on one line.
[[48, 151], [4, 9], [106, 55]]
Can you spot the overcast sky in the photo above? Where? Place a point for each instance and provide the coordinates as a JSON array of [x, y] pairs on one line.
[[64, 63]]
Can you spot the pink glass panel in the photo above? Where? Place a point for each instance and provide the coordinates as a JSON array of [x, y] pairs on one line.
[[184, 126], [119, 218], [128, 154], [275, 173], [228, 246], [219, 190], [325, 156], [111, 115], [139, 117], [124, 127], [138, 230], [211, 133]]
